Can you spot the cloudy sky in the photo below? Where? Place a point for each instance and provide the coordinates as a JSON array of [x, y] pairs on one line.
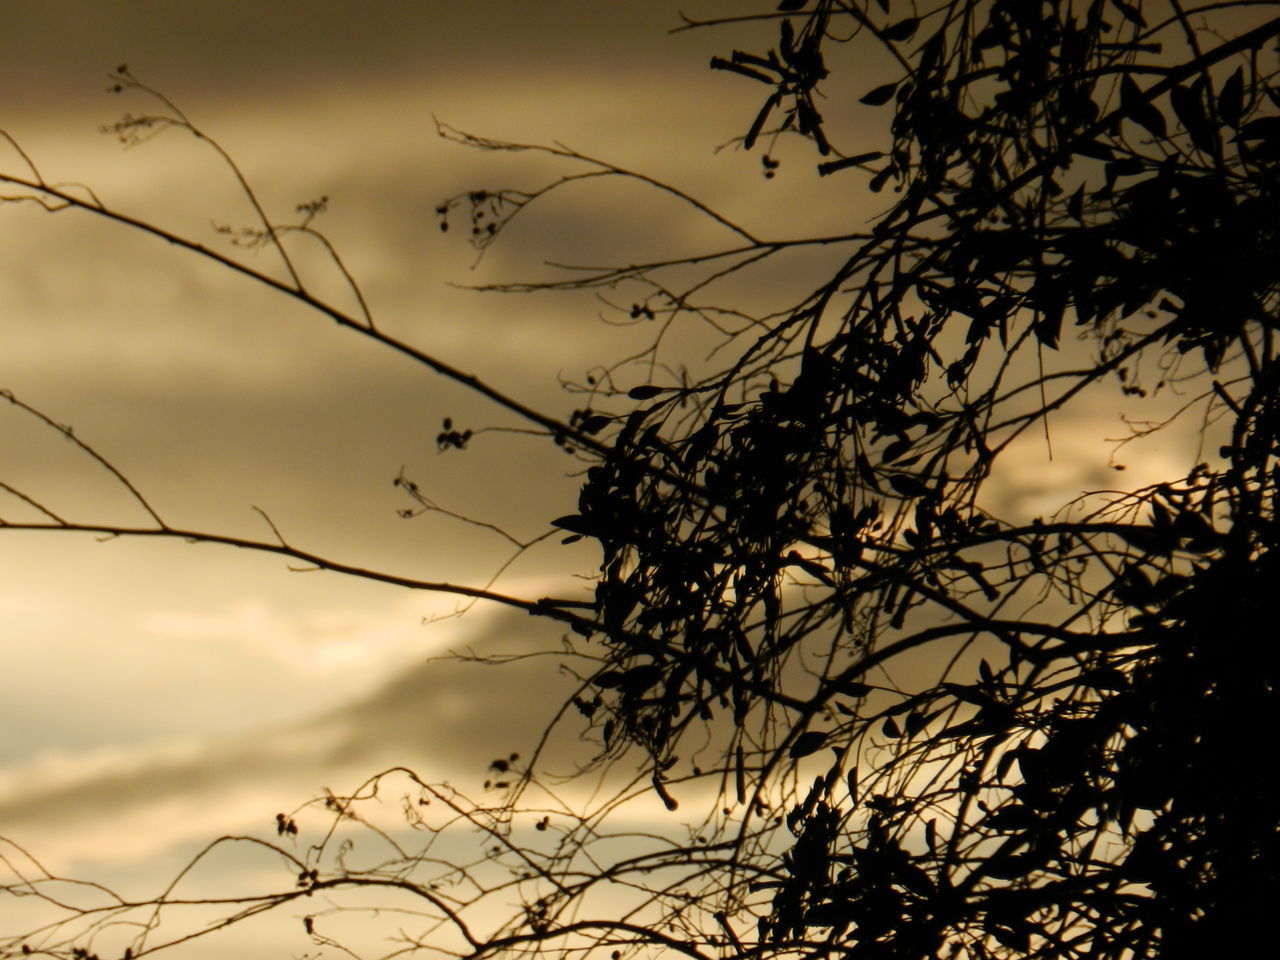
[[156, 694]]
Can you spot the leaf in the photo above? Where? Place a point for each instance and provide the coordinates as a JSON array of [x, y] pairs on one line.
[[1012, 818], [908, 485], [891, 728], [700, 444], [930, 53], [1188, 106], [865, 471], [646, 392], [1140, 110], [740, 776], [1075, 206], [917, 881], [639, 679], [790, 6], [969, 693], [1263, 128], [594, 424], [1134, 587], [914, 722], [1092, 149], [807, 743], [992, 35], [831, 166], [1017, 940], [880, 95], [852, 688], [757, 125], [1161, 519], [575, 524], [787, 42], [720, 63], [1231, 99], [902, 30], [1049, 297], [878, 181], [811, 567], [1139, 535], [811, 123], [897, 450], [1129, 12], [1125, 167], [1194, 526], [1048, 326], [668, 800]]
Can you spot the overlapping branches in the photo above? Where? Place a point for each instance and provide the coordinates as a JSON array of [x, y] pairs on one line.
[[909, 725]]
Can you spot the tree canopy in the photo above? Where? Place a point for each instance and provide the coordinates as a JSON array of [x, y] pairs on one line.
[[884, 719]]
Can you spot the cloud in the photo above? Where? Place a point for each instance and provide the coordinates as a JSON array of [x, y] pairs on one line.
[[1097, 453], [310, 642], [445, 718]]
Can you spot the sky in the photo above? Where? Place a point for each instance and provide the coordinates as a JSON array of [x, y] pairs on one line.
[[159, 693]]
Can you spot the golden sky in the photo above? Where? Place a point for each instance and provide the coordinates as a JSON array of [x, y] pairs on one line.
[[130, 666], [143, 680]]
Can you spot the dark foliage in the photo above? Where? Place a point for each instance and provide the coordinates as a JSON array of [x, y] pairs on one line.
[[1059, 166]]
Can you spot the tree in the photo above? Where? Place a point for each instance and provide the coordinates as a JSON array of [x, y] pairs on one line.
[[1071, 769]]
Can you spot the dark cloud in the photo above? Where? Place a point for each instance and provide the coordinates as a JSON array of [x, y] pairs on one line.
[[459, 715], [52, 50]]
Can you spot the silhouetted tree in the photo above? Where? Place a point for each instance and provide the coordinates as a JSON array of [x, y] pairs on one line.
[[1071, 760]]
